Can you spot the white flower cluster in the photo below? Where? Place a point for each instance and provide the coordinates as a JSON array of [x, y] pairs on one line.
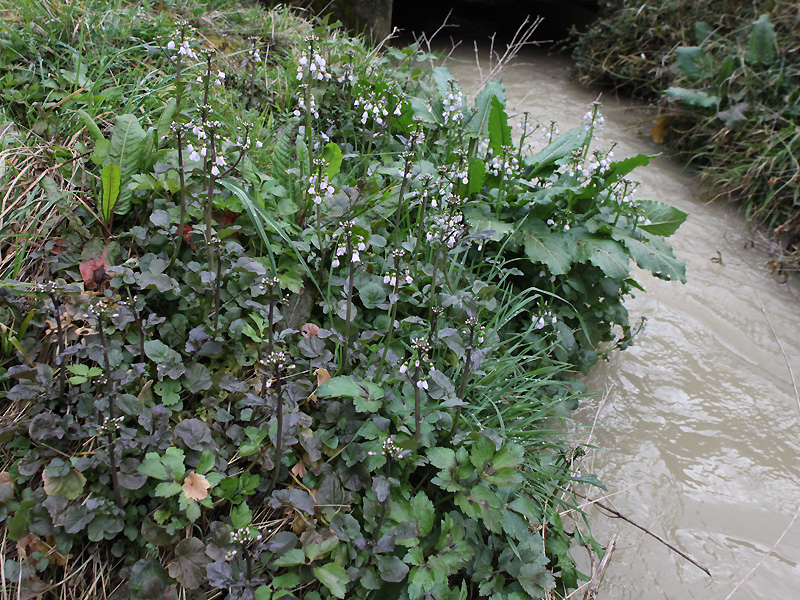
[[357, 244], [420, 361], [550, 133], [319, 187], [544, 318], [553, 224], [313, 64], [453, 105], [375, 106], [593, 120], [506, 165], [392, 278], [301, 105], [183, 48], [446, 228]]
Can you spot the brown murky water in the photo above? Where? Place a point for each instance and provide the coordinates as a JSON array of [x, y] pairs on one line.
[[698, 424]]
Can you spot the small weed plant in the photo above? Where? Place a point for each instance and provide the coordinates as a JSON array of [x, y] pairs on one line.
[[294, 319]]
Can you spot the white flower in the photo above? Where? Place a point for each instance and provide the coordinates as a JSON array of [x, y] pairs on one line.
[[215, 170], [335, 262], [171, 45], [422, 384]]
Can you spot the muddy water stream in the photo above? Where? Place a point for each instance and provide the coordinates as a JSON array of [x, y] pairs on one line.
[[698, 424]]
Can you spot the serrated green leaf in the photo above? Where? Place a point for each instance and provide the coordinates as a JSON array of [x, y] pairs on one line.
[[608, 255], [165, 489], [293, 557], [334, 577], [547, 247], [424, 513], [339, 387], [241, 516], [536, 579], [476, 174], [654, 255], [205, 463], [153, 467]]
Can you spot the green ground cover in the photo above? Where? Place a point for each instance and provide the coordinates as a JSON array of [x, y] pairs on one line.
[[285, 316], [726, 77]]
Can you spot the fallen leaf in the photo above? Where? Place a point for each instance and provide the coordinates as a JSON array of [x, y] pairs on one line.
[[659, 129], [5, 477], [309, 330], [322, 376], [195, 486], [299, 470], [93, 272]]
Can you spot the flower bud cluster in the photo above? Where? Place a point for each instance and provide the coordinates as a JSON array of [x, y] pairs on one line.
[[313, 64], [392, 450], [301, 105], [593, 120]]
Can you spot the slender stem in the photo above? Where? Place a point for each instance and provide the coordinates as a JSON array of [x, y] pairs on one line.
[[217, 289], [349, 305], [111, 414], [417, 407], [61, 345], [279, 433], [182, 180]]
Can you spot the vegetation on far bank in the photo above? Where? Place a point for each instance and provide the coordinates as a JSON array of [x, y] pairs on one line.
[[726, 77], [283, 316]]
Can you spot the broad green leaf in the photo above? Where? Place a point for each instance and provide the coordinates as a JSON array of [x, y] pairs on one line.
[[557, 149], [111, 178], [332, 155], [762, 45], [441, 458], [334, 577], [165, 489], [293, 557], [481, 452], [536, 579], [693, 62], [608, 255], [206, 462], [693, 97], [481, 218], [127, 146], [164, 126], [392, 569], [70, 486], [372, 293], [509, 456], [499, 129], [479, 120], [547, 247], [173, 460], [618, 170], [157, 351], [477, 175], [338, 387], [664, 219], [424, 513]]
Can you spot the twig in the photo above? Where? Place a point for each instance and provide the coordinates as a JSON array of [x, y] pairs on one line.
[[619, 515], [597, 577], [766, 555]]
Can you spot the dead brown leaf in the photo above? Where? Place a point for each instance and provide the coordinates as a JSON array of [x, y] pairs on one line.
[[195, 486]]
